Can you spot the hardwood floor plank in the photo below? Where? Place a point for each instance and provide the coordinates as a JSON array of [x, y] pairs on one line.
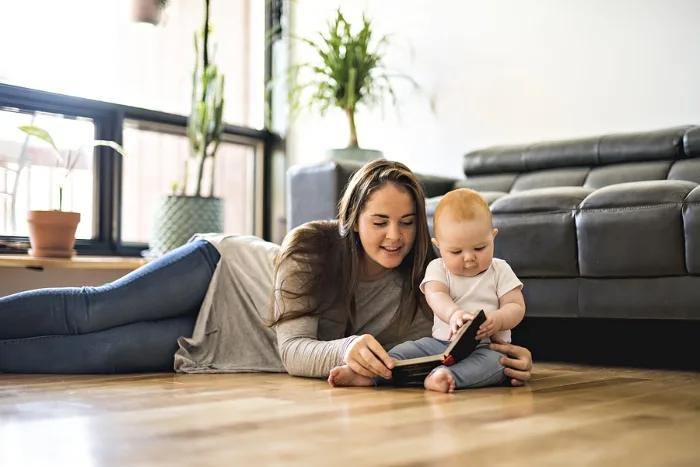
[[568, 415]]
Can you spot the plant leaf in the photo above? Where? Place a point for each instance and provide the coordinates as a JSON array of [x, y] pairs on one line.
[[110, 144], [42, 135]]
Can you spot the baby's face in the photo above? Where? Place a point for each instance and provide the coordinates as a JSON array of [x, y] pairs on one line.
[[466, 247]]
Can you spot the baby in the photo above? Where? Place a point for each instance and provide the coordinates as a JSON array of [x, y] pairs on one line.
[[466, 278]]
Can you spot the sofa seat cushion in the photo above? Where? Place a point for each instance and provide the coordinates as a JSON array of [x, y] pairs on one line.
[[537, 231], [633, 230]]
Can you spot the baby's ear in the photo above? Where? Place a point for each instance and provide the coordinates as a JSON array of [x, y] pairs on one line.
[[435, 242], [495, 232]]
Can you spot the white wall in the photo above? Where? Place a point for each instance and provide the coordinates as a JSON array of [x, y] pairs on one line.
[[508, 71]]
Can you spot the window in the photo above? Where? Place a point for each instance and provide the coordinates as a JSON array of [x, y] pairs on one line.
[[96, 51], [101, 76], [159, 161], [30, 173]]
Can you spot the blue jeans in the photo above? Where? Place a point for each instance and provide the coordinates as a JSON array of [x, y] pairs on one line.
[[127, 326], [480, 369]]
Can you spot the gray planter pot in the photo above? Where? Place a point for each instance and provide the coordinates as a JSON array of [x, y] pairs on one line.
[[177, 218], [353, 154]]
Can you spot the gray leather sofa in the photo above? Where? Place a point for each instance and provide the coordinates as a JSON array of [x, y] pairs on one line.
[[600, 227]]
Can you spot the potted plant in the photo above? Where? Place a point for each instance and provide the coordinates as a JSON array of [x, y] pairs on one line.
[[147, 11], [192, 207], [52, 233], [348, 73]]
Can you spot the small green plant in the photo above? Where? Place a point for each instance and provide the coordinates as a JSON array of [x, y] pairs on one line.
[[73, 155], [349, 72]]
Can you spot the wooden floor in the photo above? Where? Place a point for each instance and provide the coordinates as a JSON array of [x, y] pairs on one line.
[[568, 416]]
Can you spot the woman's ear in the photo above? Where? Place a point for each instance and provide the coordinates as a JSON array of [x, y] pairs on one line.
[[495, 232]]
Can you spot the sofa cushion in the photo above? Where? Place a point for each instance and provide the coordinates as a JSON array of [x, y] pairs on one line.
[[622, 173], [434, 186], [643, 194], [665, 144], [553, 199], [633, 230], [581, 152], [551, 178], [494, 160], [501, 182], [685, 170], [537, 232], [691, 220]]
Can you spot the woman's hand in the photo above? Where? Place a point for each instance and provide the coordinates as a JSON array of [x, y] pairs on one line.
[[367, 357], [518, 363]]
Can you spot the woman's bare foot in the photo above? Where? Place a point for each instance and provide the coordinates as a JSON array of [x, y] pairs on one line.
[[440, 380], [344, 376]]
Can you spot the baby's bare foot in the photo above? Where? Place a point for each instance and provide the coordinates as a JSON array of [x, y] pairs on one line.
[[440, 381], [344, 376]]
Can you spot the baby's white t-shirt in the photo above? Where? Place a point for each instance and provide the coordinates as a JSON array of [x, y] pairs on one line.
[[471, 294]]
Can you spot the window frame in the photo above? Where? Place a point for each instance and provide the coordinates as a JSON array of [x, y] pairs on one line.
[[108, 119]]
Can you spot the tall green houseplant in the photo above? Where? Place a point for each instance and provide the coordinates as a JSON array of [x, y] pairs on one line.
[[189, 210], [348, 72], [206, 118]]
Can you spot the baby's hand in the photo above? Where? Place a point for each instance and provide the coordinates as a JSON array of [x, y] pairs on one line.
[[491, 326], [457, 320]]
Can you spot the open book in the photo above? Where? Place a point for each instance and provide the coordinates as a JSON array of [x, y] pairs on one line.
[[413, 371]]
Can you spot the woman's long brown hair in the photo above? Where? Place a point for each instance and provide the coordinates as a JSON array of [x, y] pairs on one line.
[[319, 263]]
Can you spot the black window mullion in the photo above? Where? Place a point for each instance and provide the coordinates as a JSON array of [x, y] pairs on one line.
[[108, 177]]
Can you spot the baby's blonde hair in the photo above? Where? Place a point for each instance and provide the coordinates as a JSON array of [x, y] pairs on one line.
[[463, 204]]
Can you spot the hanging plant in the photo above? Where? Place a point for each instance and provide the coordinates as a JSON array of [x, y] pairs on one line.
[[147, 11]]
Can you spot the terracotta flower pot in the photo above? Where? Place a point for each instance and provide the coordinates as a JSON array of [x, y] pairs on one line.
[[146, 11], [52, 233]]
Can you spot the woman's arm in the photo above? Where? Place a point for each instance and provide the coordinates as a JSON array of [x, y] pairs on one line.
[[303, 354], [300, 350]]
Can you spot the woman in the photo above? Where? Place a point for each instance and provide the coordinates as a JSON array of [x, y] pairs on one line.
[[341, 293]]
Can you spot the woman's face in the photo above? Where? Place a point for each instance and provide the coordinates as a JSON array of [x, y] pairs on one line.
[[387, 229]]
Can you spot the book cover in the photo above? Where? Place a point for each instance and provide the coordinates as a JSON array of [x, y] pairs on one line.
[[413, 371]]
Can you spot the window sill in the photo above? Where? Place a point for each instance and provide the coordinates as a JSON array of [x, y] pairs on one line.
[[77, 262]]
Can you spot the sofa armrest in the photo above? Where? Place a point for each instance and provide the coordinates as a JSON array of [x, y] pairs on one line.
[[314, 190]]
